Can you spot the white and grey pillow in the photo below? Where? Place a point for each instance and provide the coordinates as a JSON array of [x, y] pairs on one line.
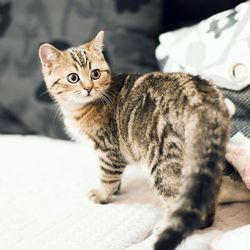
[[217, 48]]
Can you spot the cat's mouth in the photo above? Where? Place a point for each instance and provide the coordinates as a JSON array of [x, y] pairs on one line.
[[83, 96], [80, 97], [87, 93]]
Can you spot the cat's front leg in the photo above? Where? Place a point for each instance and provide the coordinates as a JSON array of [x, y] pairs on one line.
[[110, 179]]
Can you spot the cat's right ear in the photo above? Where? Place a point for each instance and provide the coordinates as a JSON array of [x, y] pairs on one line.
[[50, 57]]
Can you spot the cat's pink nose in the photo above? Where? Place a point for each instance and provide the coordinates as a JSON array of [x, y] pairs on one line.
[[88, 88]]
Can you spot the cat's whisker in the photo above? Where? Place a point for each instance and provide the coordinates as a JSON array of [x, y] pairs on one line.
[[103, 98], [100, 97], [107, 98], [110, 101], [77, 93], [56, 114], [108, 95], [45, 92]]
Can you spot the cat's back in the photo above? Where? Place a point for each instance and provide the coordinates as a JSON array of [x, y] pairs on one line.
[[154, 81], [149, 103], [174, 89]]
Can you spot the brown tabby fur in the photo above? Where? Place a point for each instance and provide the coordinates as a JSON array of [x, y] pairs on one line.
[[175, 123]]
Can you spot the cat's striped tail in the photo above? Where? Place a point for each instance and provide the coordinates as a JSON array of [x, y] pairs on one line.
[[206, 134]]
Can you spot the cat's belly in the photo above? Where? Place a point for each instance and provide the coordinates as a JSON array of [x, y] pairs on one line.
[[134, 144], [132, 150]]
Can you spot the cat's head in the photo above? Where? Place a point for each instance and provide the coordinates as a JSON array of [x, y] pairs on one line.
[[77, 75]]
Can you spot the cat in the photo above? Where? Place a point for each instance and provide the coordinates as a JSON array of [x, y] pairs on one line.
[[175, 123]]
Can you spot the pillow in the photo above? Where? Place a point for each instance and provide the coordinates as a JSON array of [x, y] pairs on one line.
[[218, 49], [25, 24]]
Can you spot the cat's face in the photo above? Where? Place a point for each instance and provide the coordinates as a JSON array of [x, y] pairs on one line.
[[77, 75]]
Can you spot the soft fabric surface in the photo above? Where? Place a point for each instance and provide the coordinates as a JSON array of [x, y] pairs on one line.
[[216, 48], [238, 154], [43, 204], [234, 239]]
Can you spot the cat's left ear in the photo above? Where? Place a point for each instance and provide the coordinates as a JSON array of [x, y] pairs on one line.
[[97, 43], [50, 56]]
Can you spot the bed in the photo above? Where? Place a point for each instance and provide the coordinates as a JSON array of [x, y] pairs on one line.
[[43, 205]]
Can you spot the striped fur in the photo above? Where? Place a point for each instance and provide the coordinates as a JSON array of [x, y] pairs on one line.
[[175, 123]]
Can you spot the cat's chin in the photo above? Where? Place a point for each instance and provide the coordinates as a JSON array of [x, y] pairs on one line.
[[76, 101], [82, 101]]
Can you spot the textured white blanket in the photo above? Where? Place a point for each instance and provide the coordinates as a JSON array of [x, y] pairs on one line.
[[43, 204]]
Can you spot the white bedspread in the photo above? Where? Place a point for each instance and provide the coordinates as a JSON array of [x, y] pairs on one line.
[[43, 204]]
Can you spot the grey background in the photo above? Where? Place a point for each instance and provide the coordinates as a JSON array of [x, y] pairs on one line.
[[131, 26]]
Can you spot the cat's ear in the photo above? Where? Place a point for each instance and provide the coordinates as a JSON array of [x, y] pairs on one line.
[[97, 43], [50, 56]]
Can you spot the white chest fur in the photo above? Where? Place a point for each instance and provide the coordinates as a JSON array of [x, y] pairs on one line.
[[75, 132]]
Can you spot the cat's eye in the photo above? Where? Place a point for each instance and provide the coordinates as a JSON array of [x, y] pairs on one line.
[[73, 78], [95, 74]]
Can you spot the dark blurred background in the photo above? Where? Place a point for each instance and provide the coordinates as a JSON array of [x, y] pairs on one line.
[[132, 29]]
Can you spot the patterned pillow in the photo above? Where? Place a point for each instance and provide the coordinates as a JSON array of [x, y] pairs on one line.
[[217, 48], [25, 107]]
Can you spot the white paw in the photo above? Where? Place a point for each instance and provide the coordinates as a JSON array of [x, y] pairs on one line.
[[98, 197]]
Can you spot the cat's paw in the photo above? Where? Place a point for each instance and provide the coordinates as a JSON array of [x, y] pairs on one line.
[[98, 197]]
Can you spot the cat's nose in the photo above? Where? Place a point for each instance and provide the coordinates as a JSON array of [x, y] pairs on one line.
[[88, 88]]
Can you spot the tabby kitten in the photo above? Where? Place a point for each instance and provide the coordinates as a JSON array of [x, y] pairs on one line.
[[175, 123]]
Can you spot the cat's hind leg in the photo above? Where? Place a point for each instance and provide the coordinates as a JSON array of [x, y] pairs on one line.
[[166, 180]]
